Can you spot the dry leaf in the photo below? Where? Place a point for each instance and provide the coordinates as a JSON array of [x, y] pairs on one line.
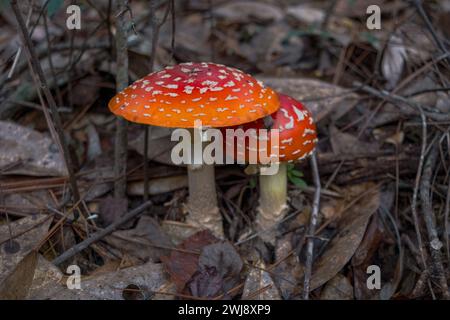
[[393, 61], [351, 229], [28, 152], [319, 97], [183, 263], [17, 257], [259, 284]]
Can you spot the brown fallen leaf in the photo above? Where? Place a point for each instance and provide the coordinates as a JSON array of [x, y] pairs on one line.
[[219, 266], [17, 255], [319, 97], [182, 263], [46, 281], [351, 229]]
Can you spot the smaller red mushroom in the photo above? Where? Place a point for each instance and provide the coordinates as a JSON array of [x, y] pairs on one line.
[[297, 140]]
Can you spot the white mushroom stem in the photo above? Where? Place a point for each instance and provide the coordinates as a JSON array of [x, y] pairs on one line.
[[202, 203], [272, 203]]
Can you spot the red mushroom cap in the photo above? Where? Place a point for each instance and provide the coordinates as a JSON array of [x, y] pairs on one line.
[[297, 131], [217, 95]]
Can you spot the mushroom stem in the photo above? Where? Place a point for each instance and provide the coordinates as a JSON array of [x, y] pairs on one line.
[[272, 202], [202, 203]]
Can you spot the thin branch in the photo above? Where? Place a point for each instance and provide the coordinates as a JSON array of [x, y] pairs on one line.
[[430, 222], [312, 228], [120, 148]]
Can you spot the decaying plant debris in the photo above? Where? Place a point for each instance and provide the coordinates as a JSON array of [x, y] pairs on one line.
[[72, 186]]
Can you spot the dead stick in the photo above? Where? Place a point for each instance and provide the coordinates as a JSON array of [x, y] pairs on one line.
[[430, 222], [312, 228], [100, 234], [37, 69], [120, 145]]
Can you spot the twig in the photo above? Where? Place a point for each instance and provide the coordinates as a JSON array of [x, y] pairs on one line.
[[100, 234], [120, 147], [312, 228], [37, 69], [430, 222]]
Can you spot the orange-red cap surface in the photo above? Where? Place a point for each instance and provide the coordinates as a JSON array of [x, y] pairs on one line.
[[297, 131], [217, 95]]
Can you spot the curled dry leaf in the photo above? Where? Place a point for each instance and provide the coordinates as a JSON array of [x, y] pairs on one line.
[[28, 152], [393, 61], [218, 271], [319, 97], [182, 263]]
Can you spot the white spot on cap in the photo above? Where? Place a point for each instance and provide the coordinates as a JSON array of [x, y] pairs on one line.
[[188, 89], [171, 86], [229, 84], [230, 97], [299, 113], [290, 124]]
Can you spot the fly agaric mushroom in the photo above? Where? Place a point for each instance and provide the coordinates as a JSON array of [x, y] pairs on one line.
[[180, 95], [297, 139]]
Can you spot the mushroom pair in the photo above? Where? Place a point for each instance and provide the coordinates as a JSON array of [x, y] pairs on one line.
[[179, 96]]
